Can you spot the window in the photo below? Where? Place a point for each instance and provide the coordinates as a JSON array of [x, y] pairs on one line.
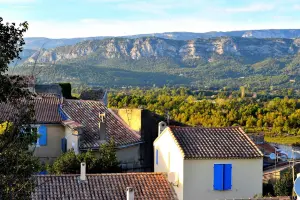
[[42, 131], [222, 176], [64, 145], [156, 156]]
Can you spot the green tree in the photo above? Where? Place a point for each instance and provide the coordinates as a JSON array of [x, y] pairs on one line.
[[284, 186], [16, 160], [69, 163], [107, 161]]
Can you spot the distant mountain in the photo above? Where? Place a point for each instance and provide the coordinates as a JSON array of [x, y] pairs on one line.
[[37, 43], [185, 53], [213, 62]]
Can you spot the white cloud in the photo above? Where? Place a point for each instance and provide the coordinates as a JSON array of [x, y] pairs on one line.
[[95, 27], [296, 7], [251, 8], [16, 1]]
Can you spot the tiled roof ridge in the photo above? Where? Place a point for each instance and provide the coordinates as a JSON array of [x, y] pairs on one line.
[[122, 121], [104, 174], [201, 127], [251, 141], [176, 142], [94, 101]]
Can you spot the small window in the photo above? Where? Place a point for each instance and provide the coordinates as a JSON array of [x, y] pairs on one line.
[[156, 157], [64, 145], [222, 176]]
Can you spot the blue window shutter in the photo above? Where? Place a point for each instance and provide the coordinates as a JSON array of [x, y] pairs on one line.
[[43, 135], [64, 145], [157, 156], [218, 176], [227, 176]]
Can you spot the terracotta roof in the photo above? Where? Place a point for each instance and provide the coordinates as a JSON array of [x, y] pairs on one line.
[[72, 124], [46, 110], [86, 112], [146, 186], [207, 143]]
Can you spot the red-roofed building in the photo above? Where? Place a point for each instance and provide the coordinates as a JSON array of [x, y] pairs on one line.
[[79, 124], [209, 163]]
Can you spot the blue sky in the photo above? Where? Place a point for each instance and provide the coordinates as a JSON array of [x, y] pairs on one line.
[[82, 18]]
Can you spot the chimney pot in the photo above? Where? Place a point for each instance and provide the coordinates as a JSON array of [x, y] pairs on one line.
[[129, 193], [83, 171], [161, 127], [102, 127]]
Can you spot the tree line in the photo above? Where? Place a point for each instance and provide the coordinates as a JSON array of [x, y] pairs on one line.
[[278, 116]]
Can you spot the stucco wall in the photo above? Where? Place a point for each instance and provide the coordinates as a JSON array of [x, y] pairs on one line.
[[129, 154], [246, 179], [132, 117], [169, 159], [71, 139], [53, 148]]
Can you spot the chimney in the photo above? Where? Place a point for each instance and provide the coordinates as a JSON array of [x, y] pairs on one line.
[[105, 98], [102, 127], [129, 193], [83, 171], [161, 127], [61, 100]]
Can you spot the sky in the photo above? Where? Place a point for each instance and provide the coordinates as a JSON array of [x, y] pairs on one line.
[[84, 18]]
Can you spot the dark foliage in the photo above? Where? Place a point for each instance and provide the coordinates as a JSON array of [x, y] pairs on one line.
[[16, 160], [69, 162], [66, 90]]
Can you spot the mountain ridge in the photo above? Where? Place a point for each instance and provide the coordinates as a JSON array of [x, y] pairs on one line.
[[220, 62], [38, 42]]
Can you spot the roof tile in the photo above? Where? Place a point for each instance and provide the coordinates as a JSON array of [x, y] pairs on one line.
[[86, 112], [147, 186], [223, 143]]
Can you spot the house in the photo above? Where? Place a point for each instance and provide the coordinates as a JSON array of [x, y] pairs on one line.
[[124, 186], [211, 163], [80, 125], [145, 123], [89, 123]]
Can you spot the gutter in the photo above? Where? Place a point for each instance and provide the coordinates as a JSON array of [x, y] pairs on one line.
[[118, 147]]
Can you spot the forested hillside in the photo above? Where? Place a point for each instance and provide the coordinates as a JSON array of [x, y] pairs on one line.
[[221, 62]]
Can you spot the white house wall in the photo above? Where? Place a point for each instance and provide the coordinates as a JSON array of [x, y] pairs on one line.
[[72, 140], [246, 179], [174, 163]]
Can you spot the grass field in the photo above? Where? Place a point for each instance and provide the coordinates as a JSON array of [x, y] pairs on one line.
[[288, 140]]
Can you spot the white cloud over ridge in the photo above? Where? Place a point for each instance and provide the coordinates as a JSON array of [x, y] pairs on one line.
[[95, 27], [251, 8]]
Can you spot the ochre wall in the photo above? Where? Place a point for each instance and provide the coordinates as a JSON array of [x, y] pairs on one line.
[[53, 148], [132, 117]]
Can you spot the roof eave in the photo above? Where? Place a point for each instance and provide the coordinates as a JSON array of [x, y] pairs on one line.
[[117, 147], [215, 158]]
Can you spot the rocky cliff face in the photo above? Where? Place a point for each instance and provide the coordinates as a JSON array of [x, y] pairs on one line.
[[37, 43], [204, 50]]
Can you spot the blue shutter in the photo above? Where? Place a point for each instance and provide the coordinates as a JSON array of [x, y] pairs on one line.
[[156, 156], [218, 176], [43, 135], [64, 145], [227, 176]]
